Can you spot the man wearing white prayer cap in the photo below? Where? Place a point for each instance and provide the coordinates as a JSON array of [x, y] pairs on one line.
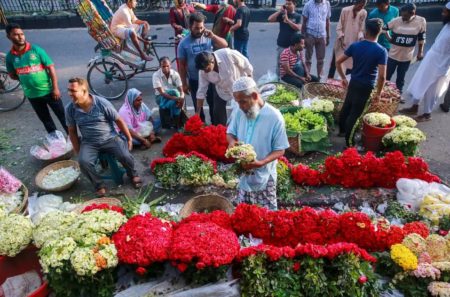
[[433, 75], [257, 123]]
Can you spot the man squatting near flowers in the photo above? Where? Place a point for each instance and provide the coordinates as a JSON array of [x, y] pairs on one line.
[[257, 123]]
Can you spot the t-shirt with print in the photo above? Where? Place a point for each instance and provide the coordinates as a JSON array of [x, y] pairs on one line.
[[286, 31], [96, 125], [30, 66], [190, 47], [160, 80], [287, 56], [388, 16], [366, 56], [404, 37], [242, 13]]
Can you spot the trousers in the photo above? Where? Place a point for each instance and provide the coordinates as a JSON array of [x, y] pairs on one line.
[[41, 105]]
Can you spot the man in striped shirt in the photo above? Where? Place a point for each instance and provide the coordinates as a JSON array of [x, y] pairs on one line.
[[292, 63]]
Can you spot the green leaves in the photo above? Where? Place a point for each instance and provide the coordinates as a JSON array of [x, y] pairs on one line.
[[282, 96]]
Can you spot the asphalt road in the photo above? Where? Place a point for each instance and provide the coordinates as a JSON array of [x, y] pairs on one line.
[[71, 50]]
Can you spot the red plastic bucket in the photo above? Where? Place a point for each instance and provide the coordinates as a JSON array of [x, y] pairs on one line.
[[372, 135], [25, 261]]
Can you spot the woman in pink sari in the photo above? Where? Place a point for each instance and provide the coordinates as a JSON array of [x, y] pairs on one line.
[[136, 115]]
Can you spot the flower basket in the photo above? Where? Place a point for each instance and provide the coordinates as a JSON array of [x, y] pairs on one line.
[[372, 136], [208, 203], [55, 166], [269, 89], [22, 208], [326, 91], [387, 106], [25, 261], [104, 200]]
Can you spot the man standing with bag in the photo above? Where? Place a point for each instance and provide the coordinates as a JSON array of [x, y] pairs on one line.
[[36, 72], [369, 66]]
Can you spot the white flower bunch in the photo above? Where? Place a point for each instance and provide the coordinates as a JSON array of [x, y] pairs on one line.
[[15, 234], [404, 135], [404, 121], [377, 119], [53, 226], [243, 153], [60, 177], [83, 261], [218, 181], [320, 105], [55, 253], [109, 253], [10, 201]]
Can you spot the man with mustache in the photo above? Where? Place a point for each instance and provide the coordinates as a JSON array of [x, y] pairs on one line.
[[257, 123]]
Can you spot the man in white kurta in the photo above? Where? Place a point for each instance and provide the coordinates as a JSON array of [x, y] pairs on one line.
[[433, 75]]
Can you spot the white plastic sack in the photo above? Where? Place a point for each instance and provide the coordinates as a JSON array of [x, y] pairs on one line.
[[145, 128], [412, 191], [21, 285], [39, 207], [228, 289], [55, 145], [267, 78]]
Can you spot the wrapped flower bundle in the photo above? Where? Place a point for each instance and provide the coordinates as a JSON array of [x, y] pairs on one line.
[[377, 119], [242, 153]]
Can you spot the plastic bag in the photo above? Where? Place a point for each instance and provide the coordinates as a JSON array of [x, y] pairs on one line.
[[145, 128], [412, 191], [55, 143], [40, 153], [267, 78], [21, 285]]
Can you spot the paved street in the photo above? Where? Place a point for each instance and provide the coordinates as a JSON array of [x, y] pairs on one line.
[[71, 49]]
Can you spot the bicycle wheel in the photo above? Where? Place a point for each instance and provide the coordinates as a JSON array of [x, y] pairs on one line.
[[12, 99], [46, 6], [7, 84], [107, 79]]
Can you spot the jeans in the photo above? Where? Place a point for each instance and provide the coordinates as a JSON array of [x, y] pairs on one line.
[[354, 105], [319, 44], [209, 99], [295, 81], [402, 68], [241, 46], [89, 154], [40, 106]]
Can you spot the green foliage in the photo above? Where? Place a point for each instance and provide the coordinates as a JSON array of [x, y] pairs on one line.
[[255, 277], [194, 171], [412, 286], [282, 95], [304, 120], [444, 223], [385, 265], [397, 210], [206, 275], [167, 174], [285, 184], [66, 283], [131, 206]]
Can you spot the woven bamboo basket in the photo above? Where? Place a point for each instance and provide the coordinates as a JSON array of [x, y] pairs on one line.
[[55, 166], [206, 203], [67, 156], [104, 200], [22, 208], [295, 145], [326, 91], [388, 107], [288, 87]]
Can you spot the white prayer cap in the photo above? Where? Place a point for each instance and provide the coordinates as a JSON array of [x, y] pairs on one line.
[[244, 83], [447, 5]]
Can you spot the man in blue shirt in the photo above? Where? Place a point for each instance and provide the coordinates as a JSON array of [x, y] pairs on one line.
[[369, 61], [95, 118], [198, 41], [386, 13], [261, 125]]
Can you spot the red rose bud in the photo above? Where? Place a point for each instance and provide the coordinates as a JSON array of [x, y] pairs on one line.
[[141, 271], [443, 232], [362, 279], [296, 266], [182, 267]]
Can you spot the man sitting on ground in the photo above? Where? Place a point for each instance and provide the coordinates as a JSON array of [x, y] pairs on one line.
[[95, 117], [125, 25]]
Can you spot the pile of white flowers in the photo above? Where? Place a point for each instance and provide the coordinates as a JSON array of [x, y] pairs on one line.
[[53, 226], [243, 153], [10, 201], [404, 136], [60, 177], [377, 119], [15, 234], [55, 253], [320, 105], [218, 181], [404, 121], [88, 261]]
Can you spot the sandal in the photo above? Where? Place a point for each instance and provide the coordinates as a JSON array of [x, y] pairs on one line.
[[136, 181], [101, 192]]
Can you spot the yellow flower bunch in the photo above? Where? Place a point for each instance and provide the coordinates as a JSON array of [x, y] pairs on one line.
[[403, 257]]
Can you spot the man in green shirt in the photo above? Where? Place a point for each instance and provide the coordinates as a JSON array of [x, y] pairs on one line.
[[34, 69], [386, 13]]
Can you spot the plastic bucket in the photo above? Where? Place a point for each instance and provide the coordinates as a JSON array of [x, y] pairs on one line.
[[25, 261], [372, 136]]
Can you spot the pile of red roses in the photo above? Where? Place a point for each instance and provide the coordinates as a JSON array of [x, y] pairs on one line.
[[143, 240], [203, 244], [210, 141], [330, 252], [308, 226], [353, 170], [94, 206]]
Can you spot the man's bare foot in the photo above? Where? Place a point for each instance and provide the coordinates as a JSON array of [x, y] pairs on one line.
[[101, 192], [146, 58], [136, 181]]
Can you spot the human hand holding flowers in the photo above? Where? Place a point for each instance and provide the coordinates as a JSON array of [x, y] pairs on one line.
[[253, 165]]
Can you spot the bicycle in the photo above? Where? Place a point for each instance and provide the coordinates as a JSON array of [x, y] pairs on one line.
[[11, 97], [107, 75]]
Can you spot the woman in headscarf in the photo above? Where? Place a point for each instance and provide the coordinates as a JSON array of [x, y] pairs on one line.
[[135, 113], [179, 20], [223, 19]]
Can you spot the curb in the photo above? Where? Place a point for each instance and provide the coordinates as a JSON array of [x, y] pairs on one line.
[[430, 13]]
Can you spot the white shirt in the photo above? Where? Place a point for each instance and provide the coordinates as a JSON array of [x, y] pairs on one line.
[[124, 17], [161, 81], [232, 65]]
